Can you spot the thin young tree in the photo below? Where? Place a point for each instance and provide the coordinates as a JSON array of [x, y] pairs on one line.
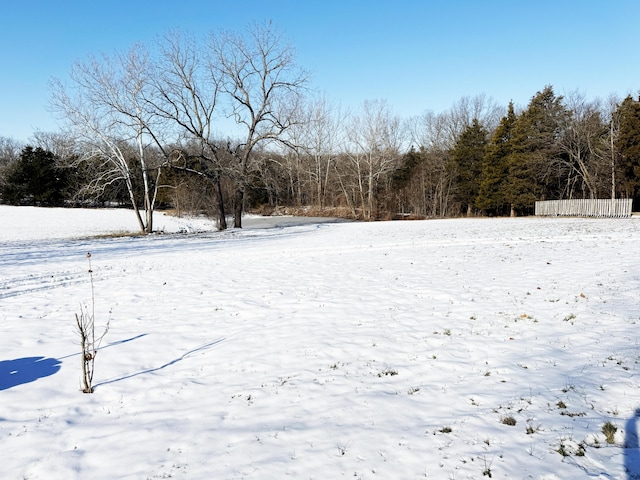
[[89, 342]]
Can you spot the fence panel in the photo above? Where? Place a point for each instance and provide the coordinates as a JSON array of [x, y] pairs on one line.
[[619, 207]]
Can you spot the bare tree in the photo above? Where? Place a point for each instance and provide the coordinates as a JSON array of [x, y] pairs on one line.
[[89, 343], [9, 153], [315, 141], [57, 143], [433, 187], [443, 129], [375, 141], [582, 141], [187, 98], [106, 112], [9, 150], [609, 151], [325, 136], [249, 81], [262, 86], [467, 109]]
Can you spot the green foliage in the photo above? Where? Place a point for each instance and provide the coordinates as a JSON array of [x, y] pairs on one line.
[[467, 158], [628, 144], [35, 179], [405, 171], [535, 150], [492, 192]]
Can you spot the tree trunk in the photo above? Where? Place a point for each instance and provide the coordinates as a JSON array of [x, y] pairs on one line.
[[134, 204], [222, 215], [613, 165], [148, 206], [238, 206]]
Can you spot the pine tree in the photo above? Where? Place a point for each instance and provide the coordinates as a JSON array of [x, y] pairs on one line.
[[35, 179], [492, 194], [536, 149], [467, 156], [628, 144]]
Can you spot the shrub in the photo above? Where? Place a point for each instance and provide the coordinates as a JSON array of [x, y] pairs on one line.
[[609, 430]]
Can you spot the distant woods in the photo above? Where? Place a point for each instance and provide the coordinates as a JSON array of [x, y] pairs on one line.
[[144, 128]]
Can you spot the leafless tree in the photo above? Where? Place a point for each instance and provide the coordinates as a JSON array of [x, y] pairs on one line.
[[262, 87], [89, 342], [443, 129], [316, 141], [609, 151], [325, 136], [432, 189], [57, 143], [9, 152], [375, 140], [105, 109], [582, 141], [187, 99], [434, 135], [250, 82]]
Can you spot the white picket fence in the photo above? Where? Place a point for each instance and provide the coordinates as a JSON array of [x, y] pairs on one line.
[[585, 208]]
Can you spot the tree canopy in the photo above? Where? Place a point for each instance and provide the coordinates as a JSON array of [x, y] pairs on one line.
[[144, 126], [36, 179]]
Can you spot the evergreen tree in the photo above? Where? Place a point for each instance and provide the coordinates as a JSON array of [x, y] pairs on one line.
[[467, 156], [628, 144], [492, 194], [35, 179], [536, 148], [405, 171]]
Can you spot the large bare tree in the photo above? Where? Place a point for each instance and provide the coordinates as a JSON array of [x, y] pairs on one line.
[[105, 108], [261, 85], [584, 163], [248, 82], [187, 99]]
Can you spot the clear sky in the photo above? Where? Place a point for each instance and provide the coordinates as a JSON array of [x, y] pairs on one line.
[[419, 55]]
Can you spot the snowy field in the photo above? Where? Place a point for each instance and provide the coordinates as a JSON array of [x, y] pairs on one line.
[[452, 349]]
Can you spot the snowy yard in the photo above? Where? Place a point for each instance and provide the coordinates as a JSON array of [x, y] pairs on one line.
[[444, 349]]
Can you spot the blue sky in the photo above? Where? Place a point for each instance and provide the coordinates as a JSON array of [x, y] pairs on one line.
[[418, 55]]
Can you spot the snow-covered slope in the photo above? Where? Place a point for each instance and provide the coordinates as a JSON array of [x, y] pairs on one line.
[[451, 349]]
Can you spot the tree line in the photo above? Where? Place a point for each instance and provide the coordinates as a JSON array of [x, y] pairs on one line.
[[144, 128]]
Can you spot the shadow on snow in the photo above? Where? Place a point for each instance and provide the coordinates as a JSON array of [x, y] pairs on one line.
[[165, 365], [632, 448], [25, 370]]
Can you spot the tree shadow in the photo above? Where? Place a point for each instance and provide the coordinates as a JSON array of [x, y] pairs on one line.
[[25, 370], [632, 448], [112, 344], [165, 365]]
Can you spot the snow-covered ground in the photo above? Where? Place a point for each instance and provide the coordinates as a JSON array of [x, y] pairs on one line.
[[453, 349]]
